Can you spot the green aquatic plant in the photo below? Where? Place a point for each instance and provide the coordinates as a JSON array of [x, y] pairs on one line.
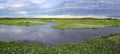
[[96, 45]]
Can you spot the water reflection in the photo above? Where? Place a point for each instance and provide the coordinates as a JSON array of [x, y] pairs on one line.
[[47, 35]]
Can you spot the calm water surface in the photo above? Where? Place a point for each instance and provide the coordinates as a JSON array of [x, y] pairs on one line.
[[49, 36]]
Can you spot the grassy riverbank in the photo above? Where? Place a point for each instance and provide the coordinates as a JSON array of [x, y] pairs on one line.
[[99, 45], [63, 23]]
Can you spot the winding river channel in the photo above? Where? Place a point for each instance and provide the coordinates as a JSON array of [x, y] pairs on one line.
[[47, 35]]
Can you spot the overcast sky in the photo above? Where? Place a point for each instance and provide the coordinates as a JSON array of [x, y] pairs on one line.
[[38, 8]]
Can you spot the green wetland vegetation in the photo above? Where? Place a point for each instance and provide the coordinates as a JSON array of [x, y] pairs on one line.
[[63, 23], [97, 45]]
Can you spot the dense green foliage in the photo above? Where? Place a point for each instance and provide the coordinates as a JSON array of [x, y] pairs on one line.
[[63, 23], [100, 45]]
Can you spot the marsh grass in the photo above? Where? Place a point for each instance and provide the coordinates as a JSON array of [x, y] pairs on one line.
[[97, 45], [115, 38], [21, 22], [63, 23], [86, 23]]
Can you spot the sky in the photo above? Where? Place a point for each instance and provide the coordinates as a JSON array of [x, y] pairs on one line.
[[60, 8]]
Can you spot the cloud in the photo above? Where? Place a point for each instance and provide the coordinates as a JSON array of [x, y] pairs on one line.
[[92, 4], [60, 7], [40, 3], [65, 16], [17, 5], [14, 4], [2, 7], [22, 12]]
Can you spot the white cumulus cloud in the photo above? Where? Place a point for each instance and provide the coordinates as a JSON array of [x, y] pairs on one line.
[[22, 12]]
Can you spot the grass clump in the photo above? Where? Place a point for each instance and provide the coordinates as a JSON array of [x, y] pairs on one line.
[[101, 45], [115, 38]]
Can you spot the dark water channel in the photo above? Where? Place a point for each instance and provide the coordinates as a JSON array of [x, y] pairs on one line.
[[49, 36]]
